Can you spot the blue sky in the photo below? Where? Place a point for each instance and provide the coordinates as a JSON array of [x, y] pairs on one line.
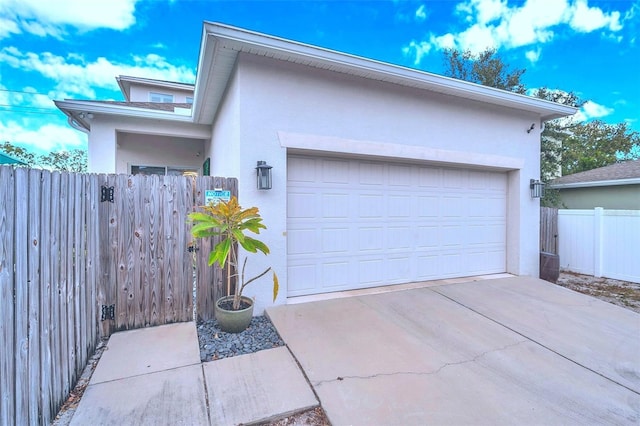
[[75, 48]]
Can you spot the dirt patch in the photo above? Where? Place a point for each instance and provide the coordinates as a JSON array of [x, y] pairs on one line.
[[622, 293]]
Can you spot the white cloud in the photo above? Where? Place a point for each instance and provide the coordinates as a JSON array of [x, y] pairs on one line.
[[592, 110], [49, 137], [496, 24], [417, 49], [421, 13], [586, 19], [51, 18], [75, 76], [533, 55]]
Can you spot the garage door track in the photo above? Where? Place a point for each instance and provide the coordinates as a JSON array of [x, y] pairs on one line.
[[502, 351]]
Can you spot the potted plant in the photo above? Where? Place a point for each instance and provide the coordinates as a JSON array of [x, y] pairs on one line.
[[229, 221]]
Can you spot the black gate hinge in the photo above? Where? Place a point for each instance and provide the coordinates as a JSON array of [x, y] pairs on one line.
[[108, 312], [107, 194], [192, 248]]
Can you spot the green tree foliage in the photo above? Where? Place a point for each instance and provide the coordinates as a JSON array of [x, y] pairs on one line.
[[486, 68], [69, 161], [597, 144], [29, 158]]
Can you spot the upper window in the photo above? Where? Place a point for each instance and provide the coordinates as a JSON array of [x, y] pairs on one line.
[[160, 97], [189, 99]]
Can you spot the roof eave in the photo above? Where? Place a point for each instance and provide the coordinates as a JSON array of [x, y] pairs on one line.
[[613, 182], [217, 37], [71, 107]]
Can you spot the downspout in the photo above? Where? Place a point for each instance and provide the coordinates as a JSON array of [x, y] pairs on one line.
[[75, 125]]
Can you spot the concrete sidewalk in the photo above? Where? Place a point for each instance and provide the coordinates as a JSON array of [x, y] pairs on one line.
[[504, 351], [154, 376]]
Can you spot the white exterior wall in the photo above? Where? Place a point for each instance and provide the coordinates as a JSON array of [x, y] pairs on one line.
[[104, 137], [150, 150], [276, 99]]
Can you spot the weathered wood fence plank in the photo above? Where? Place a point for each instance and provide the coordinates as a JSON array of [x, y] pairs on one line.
[[47, 333], [7, 292], [65, 253], [549, 230]]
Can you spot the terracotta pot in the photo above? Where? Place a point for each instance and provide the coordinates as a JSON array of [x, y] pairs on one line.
[[234, 321]]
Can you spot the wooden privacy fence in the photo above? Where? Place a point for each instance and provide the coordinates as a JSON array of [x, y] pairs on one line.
[[549, 230], [147, 266], [82, 256], [48, 258]]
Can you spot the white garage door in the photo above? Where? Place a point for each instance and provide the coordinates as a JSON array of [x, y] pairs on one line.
[[354, 224]]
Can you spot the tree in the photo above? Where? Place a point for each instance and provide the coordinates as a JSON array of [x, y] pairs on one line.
[[486, 68], [29, 158], [597, 144], [69, 161]]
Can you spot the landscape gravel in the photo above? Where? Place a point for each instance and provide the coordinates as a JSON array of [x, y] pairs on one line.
[[216, 344]]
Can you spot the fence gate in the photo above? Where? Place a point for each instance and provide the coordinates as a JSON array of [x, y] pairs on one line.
[[148, 264]]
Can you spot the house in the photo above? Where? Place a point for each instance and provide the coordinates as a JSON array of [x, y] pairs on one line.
[[616, 186], [381, 174], [7, 159]]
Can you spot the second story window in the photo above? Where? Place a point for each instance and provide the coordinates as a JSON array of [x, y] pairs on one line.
[[160, 97], [189, 99]]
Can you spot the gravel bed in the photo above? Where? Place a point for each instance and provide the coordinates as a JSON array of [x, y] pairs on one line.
[[216, 344]]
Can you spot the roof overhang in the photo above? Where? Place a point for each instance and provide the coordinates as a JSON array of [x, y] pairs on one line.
[[125, 81], [616, 182], [79, 112], [221, 44]]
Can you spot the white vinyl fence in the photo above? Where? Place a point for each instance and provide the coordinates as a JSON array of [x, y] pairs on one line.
[[602, 243]]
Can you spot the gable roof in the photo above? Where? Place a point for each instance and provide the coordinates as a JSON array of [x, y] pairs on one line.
[[219, 49], [623, 173], [221, 45]]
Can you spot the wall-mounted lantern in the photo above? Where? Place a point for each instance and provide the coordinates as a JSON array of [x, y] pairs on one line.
[[263, 174], [537, 188]]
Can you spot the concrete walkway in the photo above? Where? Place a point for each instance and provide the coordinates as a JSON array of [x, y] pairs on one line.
[[498, 351], [502, 351], [154, 376]]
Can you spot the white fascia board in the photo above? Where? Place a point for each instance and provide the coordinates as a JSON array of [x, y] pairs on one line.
[[158, 83], [379, 70], [617, 182], [110, 109]]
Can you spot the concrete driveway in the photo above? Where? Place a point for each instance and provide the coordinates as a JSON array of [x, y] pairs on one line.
[[501, 351]]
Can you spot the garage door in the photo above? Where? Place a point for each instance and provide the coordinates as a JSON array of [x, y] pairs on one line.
[[355, 224]]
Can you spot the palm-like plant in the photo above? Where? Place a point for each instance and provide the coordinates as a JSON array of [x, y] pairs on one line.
[[231, 222]]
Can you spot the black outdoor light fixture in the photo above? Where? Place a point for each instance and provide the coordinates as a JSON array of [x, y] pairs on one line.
[[263, 173], [537, 188]]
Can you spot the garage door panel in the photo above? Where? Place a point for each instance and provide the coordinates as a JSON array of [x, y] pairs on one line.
[[334, 205], [301, 205], [371, 271], [335, 240], [359, 224], [336, 275], [302, 241], [370, 238]]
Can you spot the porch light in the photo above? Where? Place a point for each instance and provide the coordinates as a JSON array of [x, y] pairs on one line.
[[263, 173], [537, 188]]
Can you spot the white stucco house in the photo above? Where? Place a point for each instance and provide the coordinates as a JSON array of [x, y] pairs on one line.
[[381, 174]]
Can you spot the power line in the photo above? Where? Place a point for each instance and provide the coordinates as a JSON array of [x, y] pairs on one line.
[[22, 91]]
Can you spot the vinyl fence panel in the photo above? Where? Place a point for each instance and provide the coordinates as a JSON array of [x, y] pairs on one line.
[[600, 242]]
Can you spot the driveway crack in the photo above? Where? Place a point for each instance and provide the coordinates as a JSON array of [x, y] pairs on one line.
[[420, 373]]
